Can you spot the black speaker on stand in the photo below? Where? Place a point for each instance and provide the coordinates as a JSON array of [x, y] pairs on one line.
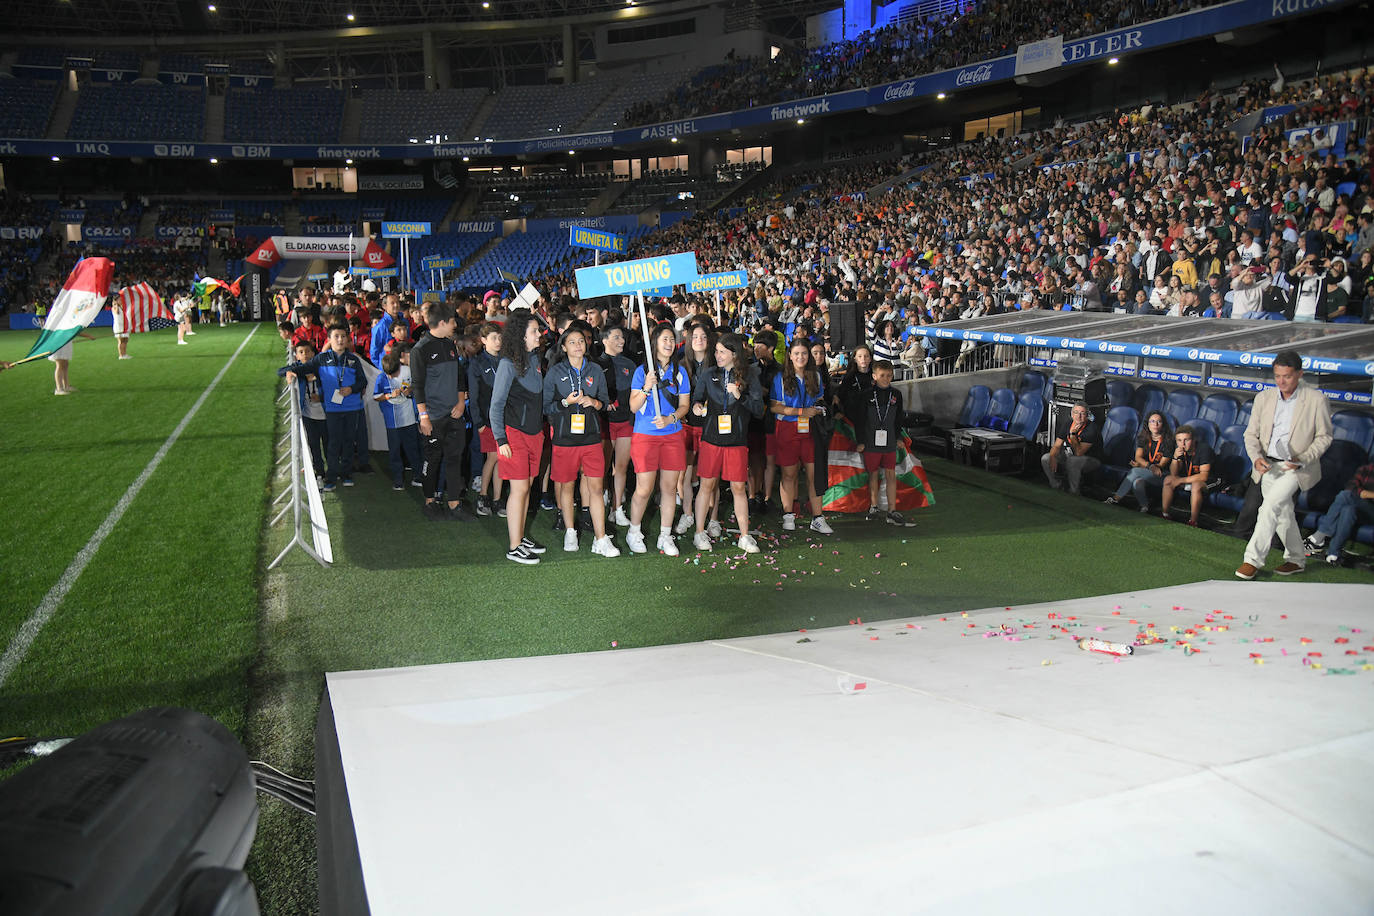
[[846, 326]]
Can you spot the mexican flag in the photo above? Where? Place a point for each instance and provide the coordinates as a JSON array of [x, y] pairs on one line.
[[81, 299], [848, 483]]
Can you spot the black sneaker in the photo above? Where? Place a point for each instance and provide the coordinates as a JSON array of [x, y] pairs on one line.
[[435, 511], [531, 545], [1311, 548], [522, 556], [546, 502], [501, 509], [458, 514], [558, 524], [484, 506]]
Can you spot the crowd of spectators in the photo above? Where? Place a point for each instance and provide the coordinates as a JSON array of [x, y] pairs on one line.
[[923, 45], [1159, 210]]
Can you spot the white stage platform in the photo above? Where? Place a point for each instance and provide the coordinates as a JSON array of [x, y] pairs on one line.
[[973, 774]]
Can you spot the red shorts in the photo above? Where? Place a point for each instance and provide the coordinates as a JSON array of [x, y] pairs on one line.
[[487, 439], [875, 460], [791, 447], [569, 459], [526, 450], [621, 430], [723, 462], [693, 437], [658, 453]]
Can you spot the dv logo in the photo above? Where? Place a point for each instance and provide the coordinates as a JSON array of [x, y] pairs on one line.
[[374, 257]]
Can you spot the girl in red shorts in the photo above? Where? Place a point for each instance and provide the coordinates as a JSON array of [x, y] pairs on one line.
[[796, 398], [517, 423], [574, 396], [726, 396], [698, 355], [619, 418], [481, 376], [657, 446]]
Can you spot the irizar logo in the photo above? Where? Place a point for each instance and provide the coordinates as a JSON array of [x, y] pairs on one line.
[[1369, 368], [1192, 354], [1037, 341], [1107, 346], [1321, 365], [1245, 359], [981, 74], [899, 91], [1004, 338], [799, 110]]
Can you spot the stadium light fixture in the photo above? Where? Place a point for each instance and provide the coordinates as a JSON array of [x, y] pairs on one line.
[[672, 139], [801, 120], [348, 162], [56, 158], [486, 4], [1114, 60], [212, 8], [939, 95], [465, 158], [214, 162], [350, 17]]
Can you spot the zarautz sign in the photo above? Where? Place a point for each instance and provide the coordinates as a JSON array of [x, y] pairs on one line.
[[1212, 20]]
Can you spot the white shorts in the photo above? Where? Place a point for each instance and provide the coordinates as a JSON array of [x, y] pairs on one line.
[[64, 353]]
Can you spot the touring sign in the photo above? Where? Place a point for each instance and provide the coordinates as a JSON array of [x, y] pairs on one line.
[[627, 277]]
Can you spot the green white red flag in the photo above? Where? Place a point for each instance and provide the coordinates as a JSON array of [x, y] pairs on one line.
[[81, 299]]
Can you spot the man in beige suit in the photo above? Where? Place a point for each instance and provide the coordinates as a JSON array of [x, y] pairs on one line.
[[1289, 429]]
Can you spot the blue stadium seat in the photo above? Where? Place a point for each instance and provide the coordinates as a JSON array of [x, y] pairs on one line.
[[1354, 426], [1347, 188], [1243, 414], [1182, 406], [1221, 409], [1231, 467], [1338, 466], [1002, 403], [1119, 432], [1204, 431], [1147, 398], [1025, 419], [975, 405], [1119, 392], [1032, 381]]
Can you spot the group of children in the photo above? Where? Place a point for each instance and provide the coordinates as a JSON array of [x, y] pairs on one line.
[[570, 405]]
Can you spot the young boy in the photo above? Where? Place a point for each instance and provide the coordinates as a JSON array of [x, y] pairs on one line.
[[878, 425], [361, 340], [312, 406], [400, 335], [392, 392], [481, 376], [341, 385]]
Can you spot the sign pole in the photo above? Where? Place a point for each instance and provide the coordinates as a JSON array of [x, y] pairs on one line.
[[717, 308], [650, 362]]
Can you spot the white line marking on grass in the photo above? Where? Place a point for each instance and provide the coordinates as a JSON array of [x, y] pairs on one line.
[[23, 640]]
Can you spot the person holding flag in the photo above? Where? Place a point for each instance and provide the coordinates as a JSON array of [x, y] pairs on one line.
[[81, 299], [139, 309]]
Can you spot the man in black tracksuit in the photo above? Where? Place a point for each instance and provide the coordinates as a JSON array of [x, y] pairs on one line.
[[439, 384]]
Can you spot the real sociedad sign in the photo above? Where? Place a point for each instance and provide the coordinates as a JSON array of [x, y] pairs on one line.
[[627, 277], [1152, 351]]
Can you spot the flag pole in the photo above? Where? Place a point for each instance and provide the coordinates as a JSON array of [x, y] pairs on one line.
[[650, 362]]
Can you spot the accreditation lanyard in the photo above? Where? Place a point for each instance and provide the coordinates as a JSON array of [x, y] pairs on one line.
[[575, 377], [1156, 450], [882, 410], [667, 407]]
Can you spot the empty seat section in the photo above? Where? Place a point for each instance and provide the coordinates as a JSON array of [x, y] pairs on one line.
[[1002, 403], [1119, 392], [975, 405], [1353, 426], [1032, 381], [1025, 419]]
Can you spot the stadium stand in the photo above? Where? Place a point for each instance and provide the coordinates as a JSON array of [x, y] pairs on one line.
[[544, 193], [25, 106], [557, 109], [403, 115], [309, 115], [527, 255], [139, 112]]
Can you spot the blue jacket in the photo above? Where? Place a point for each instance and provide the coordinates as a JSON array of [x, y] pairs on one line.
[[335, 371]]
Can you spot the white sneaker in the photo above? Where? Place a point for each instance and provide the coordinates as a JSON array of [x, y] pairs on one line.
[[789, 522], [685, 523], [635, 541], [821, 526], [713, 528], [605, 547], [702, 541], [126, 356], [667, 545], [747, 543], [570, 540], [181, 343], [190, 333], [621, 519]]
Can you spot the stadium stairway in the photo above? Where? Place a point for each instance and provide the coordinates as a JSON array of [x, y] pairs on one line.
[[479, 117], [478, 254], [291, 219], [447, 222], [607, 198], [214, 118], [62, 112], [760, 177], [352, 120], [147, 223]]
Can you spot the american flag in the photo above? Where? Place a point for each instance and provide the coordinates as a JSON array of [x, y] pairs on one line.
[[143, 310]]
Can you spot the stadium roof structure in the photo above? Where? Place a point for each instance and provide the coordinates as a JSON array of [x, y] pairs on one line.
[[117, 18]]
